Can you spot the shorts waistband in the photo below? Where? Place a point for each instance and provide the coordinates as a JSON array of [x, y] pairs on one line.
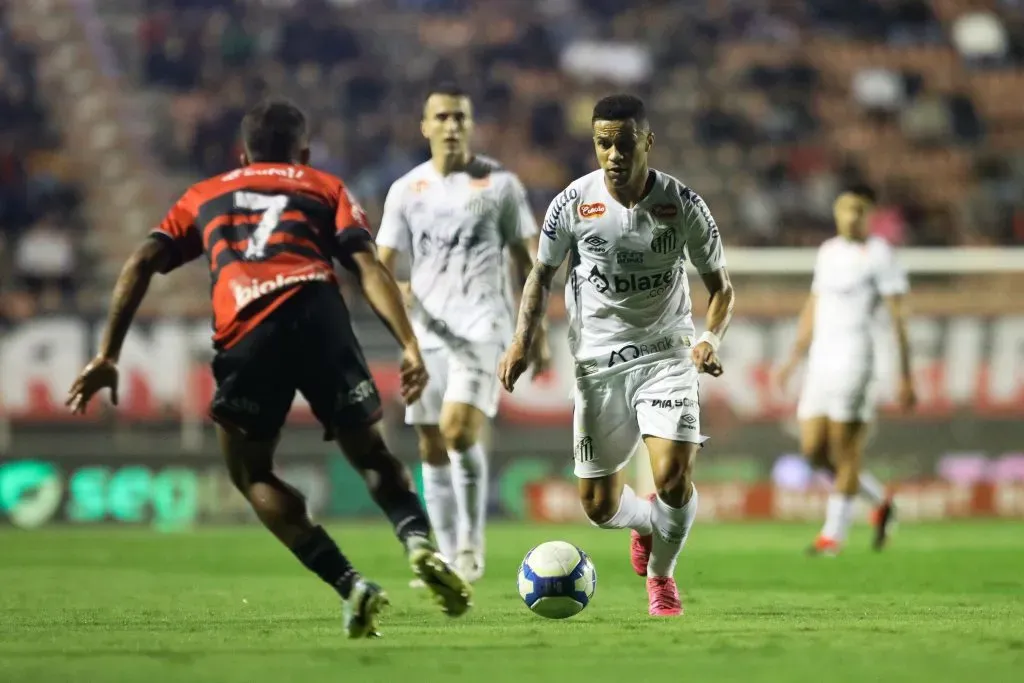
[[631, 355]]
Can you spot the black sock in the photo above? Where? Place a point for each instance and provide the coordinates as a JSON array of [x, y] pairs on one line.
[[406, 513], [322, 556]]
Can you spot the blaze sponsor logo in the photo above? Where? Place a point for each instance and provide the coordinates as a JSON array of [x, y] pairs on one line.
[[664, 211], [594, 210], [246, 294], [654, 284]]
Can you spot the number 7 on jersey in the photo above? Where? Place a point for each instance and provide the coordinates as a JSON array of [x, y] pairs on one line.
[[272, 206]]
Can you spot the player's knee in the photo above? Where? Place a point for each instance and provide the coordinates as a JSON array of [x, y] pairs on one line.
[[432, 447], [672, 478], [599, 505], [458, 432]]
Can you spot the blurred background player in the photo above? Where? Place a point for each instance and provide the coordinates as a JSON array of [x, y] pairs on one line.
[[632, 335], [454, 217], [854, 274], [271, 231]]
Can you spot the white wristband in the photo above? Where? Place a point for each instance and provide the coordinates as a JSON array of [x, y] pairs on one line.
[[712, 339]]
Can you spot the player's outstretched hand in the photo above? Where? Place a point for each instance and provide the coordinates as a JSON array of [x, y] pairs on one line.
[[706, 360], [512, 366], [100, 373], [414, 375]]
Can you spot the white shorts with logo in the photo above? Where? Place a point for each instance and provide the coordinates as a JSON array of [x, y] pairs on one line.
[[465, 375], [655, 396], [844, 396]]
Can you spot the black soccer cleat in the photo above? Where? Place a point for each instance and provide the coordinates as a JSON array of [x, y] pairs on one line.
[[885, 520]]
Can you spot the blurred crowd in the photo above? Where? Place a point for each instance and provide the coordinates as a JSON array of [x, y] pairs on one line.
[[752, 141], [766, 107], [40, 228]]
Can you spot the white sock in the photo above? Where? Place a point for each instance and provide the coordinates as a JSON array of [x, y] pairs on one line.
[[633, 513], [838, 517], [469, 477], [871, 489], [671, 529], [439, 496]]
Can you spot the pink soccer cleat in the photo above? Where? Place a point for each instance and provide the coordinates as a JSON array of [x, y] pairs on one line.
[[664, 597], [824, 547], [640, 548], [640, 552]]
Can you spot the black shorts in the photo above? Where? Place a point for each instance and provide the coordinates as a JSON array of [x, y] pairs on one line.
[[306, 345]]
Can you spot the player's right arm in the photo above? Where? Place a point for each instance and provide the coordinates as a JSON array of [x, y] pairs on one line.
[[175, 242], [804, 331], [804, 336], [555, 242], [394, 235]]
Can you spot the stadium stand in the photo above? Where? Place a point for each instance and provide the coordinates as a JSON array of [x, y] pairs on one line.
[[765, 106]]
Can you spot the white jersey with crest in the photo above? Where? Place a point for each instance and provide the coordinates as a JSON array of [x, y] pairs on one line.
[[850, 281], [627, 293], [454, 229]]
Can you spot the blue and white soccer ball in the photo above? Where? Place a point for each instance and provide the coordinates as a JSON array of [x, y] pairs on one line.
[[557, 580]]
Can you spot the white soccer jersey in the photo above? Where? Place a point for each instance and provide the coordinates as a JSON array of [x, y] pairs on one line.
[[627, 293], [850, 280], [455, 229]]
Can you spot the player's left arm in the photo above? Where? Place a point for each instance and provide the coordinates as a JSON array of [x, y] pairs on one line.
[[893, 285], [704, 245], [520, 234], [175, 242]]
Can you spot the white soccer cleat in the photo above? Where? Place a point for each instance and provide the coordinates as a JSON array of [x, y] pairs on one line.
[[470, 564], [450, 590], [362, 610]]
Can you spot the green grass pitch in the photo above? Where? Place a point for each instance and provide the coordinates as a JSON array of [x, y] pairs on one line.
[[944, 603]]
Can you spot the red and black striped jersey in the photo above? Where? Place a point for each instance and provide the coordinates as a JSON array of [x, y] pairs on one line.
[[265, 230]]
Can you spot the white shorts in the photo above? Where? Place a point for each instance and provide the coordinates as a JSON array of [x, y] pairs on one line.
[[616, 406], [468, 375], [847, 396]]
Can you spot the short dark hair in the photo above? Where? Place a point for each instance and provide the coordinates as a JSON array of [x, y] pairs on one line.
[[620, 108], [447, 88], [861, 190], [274, 131]]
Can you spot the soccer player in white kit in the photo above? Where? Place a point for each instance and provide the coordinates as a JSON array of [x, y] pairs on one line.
[[625, 228], [854, 274], [455, 217]]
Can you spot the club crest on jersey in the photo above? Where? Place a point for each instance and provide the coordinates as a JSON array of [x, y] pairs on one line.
[[664, 240], [593, 210], [664, 211], [420, 186]]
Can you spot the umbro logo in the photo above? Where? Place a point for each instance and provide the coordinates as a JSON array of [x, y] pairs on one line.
[[595, 244]]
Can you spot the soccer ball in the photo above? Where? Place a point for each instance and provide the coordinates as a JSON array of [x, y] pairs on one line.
[[557, 580]]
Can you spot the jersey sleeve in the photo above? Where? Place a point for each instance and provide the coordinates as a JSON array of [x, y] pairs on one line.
[[179, 228], [394, 230], [703, 242], [351, 227], [890, 277], [556, 230], [517, 222], [816, 276]]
